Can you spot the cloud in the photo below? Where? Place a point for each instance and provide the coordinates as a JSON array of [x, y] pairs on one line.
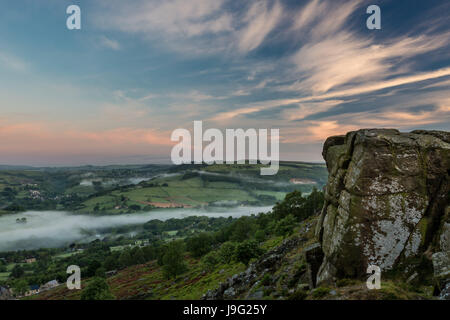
[[261, 20], [320, 18], [319, 103], [109, 43], [40, 138], [199, 26], [12, 62], [308, 14], [376, 86], [407, 115], [174, 18], [345, 59]]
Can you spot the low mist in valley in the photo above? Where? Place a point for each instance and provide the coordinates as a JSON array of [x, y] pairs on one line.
[[47, 229]]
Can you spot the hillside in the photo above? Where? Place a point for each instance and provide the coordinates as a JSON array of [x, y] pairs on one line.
[[216, 185], [124, 189]]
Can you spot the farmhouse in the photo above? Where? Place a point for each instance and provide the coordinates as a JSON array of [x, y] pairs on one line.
[[49, 285], [34, 289], [141, 243]]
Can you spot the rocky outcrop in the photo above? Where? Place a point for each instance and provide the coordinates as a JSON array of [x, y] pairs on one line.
[[279, 272], [386, 202], [241, 285]]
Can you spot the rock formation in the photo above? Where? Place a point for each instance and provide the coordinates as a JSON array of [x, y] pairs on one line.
[[386, 203]]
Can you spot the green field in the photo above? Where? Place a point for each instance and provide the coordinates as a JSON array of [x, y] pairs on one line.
[[191, 186], [188, 186]]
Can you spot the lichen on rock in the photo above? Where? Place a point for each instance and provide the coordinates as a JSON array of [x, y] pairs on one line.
[[385, 201]]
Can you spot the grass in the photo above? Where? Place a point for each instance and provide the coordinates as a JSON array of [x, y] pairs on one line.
[[4, 276], [181, 192], [65, 255], [148, 281], [197, 191]]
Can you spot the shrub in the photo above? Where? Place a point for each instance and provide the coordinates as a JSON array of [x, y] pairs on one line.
[[345, 282], [125, 259], [173, 260], [227, 252], [266, 280], [298, 295], [199, 245], [210, 260], [20, 287], [292, 204], [320, 292], [247, 250], [242, 229], [97, 289], [260, 235], [17, 271], [285, 226]]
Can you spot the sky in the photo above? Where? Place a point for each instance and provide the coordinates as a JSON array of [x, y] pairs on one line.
[[114, 91]]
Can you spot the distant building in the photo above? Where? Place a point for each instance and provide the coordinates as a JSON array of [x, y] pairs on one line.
[[49, 285], [30, 260], [141, 243], [34, 289]]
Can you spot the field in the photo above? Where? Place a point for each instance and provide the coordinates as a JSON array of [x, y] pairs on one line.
[[125, 189], [4, 275], [215, 185]]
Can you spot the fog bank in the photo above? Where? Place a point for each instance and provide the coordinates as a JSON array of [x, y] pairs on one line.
[[47, 229]]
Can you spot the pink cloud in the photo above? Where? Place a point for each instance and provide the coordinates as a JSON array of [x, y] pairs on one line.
[[38, 138]]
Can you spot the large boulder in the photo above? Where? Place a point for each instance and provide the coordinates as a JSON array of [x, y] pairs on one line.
[[386, 201]]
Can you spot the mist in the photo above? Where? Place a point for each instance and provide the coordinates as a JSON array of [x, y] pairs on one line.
[[51, 229]]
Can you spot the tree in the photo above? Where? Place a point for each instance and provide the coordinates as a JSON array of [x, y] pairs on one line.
[[138, 257], [92, 268], [17, 271], [173, 261], [135, 207], [210, 260], [100, 272], [111, 262], [125, 259], [97, 289], [285, 226], [247, 250], [293, 204], [199, 245], [20, 287], [243, 229], [260, 235], [227, 252], [314, 202], [150, 253]]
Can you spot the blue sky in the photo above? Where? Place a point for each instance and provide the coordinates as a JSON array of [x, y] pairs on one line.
[[113, 91]]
